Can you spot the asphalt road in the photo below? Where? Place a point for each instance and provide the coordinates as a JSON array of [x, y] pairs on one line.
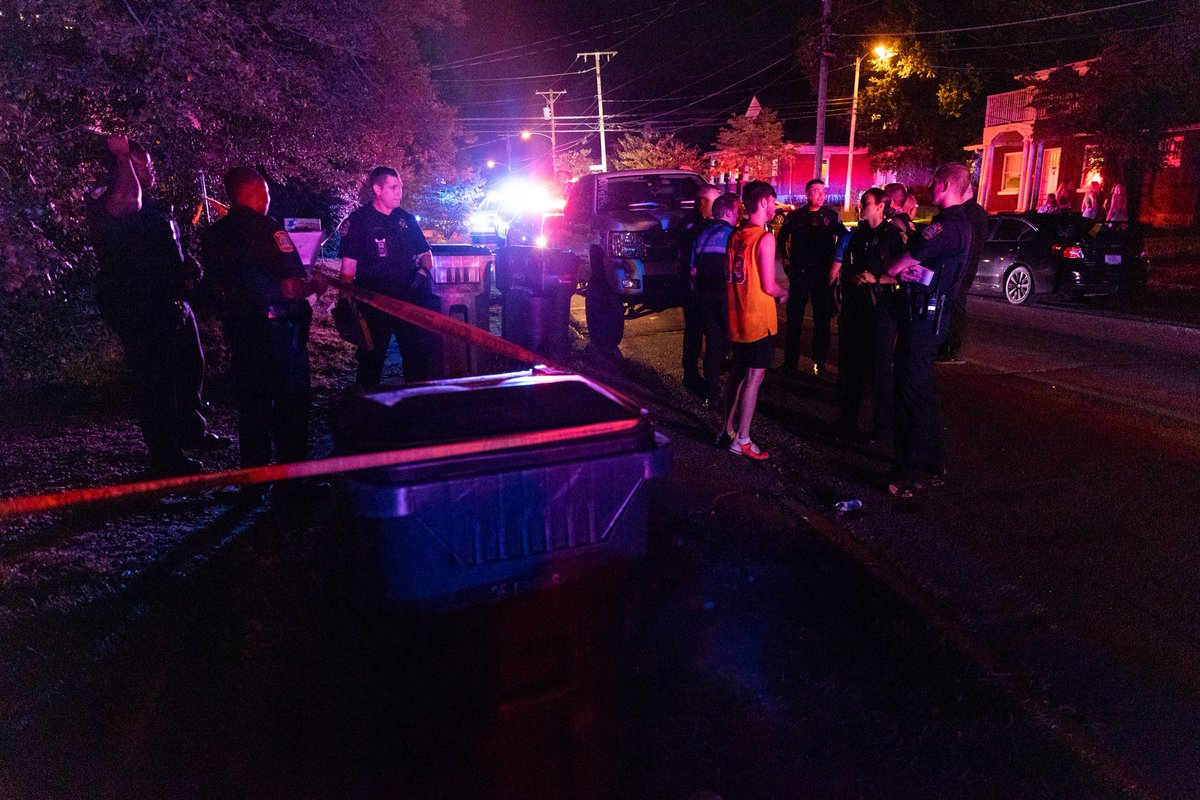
[[1061, 555], [1026, 632]]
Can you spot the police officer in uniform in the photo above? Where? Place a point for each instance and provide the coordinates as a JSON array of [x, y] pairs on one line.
[[710, 262], [693, 315], [978, 217], [384, 250], [932, 271], [807, 240], [867, 323], [142, 288], [262, 288]]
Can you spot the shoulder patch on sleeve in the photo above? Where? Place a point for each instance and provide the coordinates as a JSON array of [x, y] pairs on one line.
[[932, 230], [284, 242]]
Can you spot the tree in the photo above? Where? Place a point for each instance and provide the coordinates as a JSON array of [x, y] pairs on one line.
[[635, 151], [570, 164], [912, 118], [926, 103], [1127, 98], [299, 88], [751, 143]]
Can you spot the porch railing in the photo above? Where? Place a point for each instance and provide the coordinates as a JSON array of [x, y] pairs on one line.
[[1010, 107]]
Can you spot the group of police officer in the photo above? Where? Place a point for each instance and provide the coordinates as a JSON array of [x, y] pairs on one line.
[[252, 268], [902, 298]]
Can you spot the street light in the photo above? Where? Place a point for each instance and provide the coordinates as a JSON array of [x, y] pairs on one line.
[[882, 53]]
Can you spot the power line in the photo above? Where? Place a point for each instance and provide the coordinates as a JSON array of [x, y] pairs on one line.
[[512, 79], [487, 58], [719, 70], [997, 25], [1009, 45]]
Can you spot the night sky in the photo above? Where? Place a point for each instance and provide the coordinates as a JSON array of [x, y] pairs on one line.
[[684, 66]]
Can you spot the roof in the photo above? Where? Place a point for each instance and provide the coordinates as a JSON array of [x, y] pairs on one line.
[[636, 172]]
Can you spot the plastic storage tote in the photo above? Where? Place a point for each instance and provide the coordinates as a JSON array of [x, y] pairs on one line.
[[555, 488]]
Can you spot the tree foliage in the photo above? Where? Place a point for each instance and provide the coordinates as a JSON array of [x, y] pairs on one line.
[[302, 89], [751, 143], [926, 103], [911, 117], [570, 164], [1128, 97], [635, 151]]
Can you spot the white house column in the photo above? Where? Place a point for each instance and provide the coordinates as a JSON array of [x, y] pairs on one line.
[[985, 174], [1035, 182], [1023, 186]]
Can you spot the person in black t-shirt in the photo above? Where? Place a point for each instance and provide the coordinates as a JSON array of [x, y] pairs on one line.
[[142, 289], [383, 250], [807, 240], [262, 287], [931, 272], [957, 328]]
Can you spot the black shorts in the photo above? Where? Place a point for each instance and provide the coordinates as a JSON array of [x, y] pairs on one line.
[[754, 355]]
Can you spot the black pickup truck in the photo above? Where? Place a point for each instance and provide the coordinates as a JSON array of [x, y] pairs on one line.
[[628, 231]]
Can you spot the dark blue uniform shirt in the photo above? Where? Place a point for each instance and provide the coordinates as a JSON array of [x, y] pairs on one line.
[[385, 247], [809, 237], [944, 246], [247, 255]]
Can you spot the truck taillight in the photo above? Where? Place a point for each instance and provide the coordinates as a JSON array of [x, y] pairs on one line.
[[626, 244]]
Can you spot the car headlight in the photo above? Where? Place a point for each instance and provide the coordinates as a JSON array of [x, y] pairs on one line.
[[626, 244]]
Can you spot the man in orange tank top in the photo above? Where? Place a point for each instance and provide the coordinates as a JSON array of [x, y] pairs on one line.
[[753, 318]]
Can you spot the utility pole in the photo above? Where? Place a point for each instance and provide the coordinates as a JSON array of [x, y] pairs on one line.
[[822, 87], [853, 123], [551, 95], [600, 99]]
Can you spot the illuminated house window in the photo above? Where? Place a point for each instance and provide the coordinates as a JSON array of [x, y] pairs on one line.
[[1172, 151], [1010, 174]]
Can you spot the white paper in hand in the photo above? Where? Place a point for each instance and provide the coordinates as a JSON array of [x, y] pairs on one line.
[[918, 274]]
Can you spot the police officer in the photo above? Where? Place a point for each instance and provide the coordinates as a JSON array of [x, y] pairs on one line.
[[931, 270], [710, 262], [262, 289], [142, 289], [957, 329], [867, 323], [807, 240], [897, 212], [693, 315], [384, 250]]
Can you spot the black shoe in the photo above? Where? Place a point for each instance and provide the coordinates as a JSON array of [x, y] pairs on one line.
[[209, 443], [936, 477], [906, 489]]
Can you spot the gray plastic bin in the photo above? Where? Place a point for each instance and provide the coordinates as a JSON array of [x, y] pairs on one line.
[[504, 521]]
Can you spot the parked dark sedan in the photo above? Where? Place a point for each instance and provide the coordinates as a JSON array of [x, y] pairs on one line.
[[1031, 254]]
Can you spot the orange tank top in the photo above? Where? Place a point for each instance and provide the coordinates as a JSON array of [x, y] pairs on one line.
[[752, 314]]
